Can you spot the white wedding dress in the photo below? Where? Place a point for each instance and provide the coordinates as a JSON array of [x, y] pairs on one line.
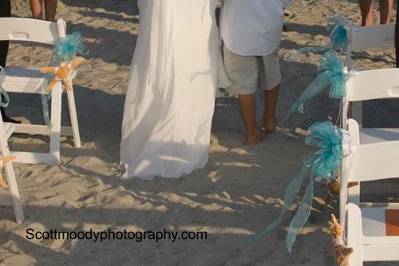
[[171, 94]]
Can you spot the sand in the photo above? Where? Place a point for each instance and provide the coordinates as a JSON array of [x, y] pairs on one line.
[[238, 193]]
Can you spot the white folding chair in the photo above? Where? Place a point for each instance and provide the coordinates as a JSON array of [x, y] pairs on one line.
[[372, 229], [30, 80], [365, 38], [13, 199], [369, 85]]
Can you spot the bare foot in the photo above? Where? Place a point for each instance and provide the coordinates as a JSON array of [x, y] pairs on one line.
[[270, 125], [255, 138]]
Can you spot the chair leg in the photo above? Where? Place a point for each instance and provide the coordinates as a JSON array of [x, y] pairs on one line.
[[74, 118], [14, 193], [354, 234], [10, 175], [55, 128]]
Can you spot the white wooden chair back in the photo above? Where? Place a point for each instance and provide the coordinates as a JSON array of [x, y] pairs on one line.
[[369, 162], [372, 234], [369, 85], [31, 30], [368, 226], [366, 162], [379, 36], [30, 80], [364, 38]]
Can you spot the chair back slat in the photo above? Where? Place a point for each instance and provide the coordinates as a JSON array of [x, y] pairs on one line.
[[379, 36], [374, 161], [31, 30], [373, 84]]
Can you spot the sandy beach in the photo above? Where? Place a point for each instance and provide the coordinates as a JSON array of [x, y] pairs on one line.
[[236, 196]]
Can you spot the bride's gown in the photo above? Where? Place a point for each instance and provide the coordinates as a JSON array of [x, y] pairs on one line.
[[170, 98]]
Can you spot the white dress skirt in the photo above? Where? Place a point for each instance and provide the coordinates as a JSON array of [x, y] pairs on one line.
[[171, 93]]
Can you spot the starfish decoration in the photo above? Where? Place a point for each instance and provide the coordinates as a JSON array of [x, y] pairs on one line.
[[3, 162], [65, 73], [340, 250]]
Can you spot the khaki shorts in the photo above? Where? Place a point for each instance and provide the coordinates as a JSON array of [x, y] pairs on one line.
[[247, 73]]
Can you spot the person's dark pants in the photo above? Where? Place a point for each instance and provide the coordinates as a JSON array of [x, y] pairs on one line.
[[5, 11]]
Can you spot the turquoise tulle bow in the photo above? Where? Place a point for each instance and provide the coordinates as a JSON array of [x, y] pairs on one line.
[[331, 75], [4, 98], [327, 159], [324, 163], [66, 48], [339, 37]]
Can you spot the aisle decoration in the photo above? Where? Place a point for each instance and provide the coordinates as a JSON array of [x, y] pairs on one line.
[[332, 75], [322, 165], [67, 48], [340, 250], [65, 73], [64, 52]]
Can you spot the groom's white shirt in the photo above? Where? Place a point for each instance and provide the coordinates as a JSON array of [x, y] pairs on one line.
[[252, 27]]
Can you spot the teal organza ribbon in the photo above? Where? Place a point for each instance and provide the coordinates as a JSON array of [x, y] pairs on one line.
[[45, 97], [4, 98], [338, 39], [65, 49], [331, 75], [324, 163]]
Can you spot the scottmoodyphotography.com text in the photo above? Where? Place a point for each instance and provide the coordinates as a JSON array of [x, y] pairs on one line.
[[104, 235]]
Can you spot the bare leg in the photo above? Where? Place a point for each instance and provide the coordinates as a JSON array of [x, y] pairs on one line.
[[269, 116], [51, 9], [36, 8], [366, 8], [248, 111], [386, 11]]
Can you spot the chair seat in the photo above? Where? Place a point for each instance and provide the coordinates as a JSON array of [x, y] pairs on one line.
[[380, 226], [24, 80], [375, 135]]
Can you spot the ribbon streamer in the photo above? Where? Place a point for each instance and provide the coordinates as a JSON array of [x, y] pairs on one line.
[[324, 163], [4, 98], [301, 217], [332, 75], [65, 49], [45, 97]]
